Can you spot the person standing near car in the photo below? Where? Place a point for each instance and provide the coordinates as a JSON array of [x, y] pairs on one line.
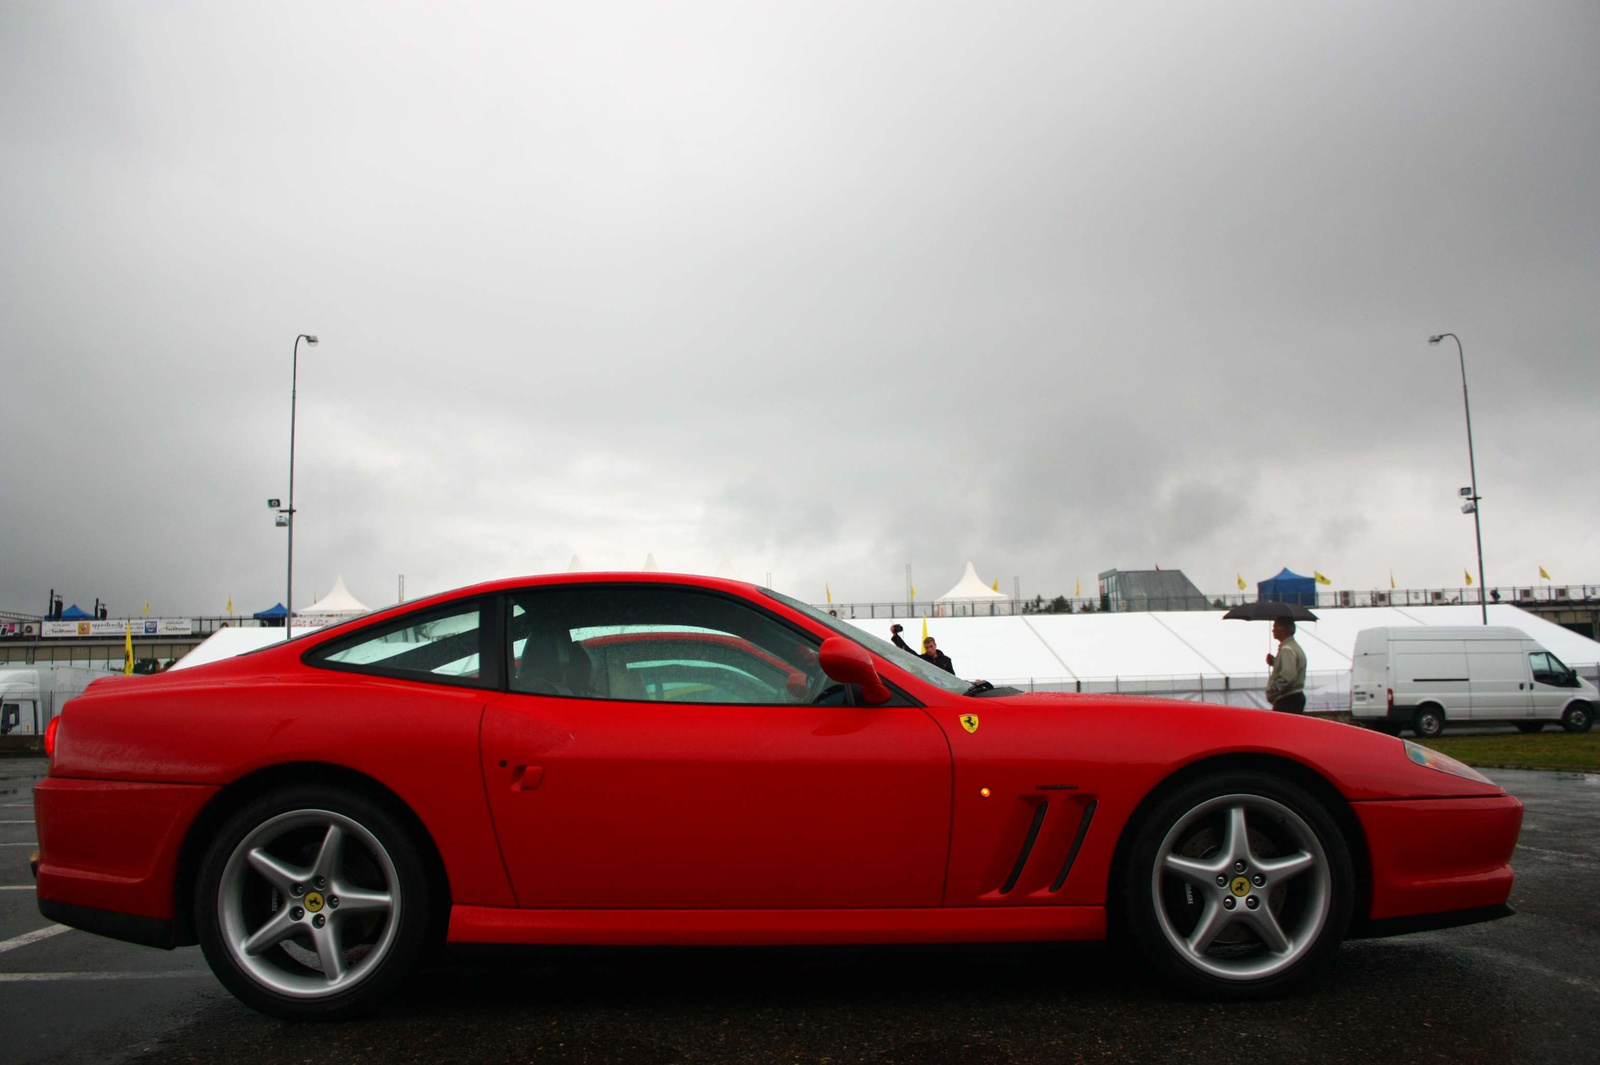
[[1286, 684], [930, 650]]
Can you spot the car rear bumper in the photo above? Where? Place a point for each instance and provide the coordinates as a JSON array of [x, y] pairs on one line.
[[1432, 857], [108, 852]]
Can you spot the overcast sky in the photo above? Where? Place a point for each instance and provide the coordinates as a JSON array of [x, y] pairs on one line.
[[827, 288]]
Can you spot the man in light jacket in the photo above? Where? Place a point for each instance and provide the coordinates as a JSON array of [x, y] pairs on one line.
[[1286, 684]]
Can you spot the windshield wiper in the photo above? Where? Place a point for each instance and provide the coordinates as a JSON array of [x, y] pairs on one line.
[[979, 687]]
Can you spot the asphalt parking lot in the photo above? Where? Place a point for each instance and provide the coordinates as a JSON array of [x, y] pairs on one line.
[[1526, 989]]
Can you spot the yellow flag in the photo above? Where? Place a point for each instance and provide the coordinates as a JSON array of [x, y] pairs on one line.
[[1391, 580], [924, 630], [828, 590], [1468, 575], [230, 603], [1241, 581], [995, 587], [127, 652], [1543, 574], [1320, 578], [913, 591], [1077, 588], [147, 606]]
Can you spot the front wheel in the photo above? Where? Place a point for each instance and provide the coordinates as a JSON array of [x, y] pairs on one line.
[[1428, 722], [1578, 718], [1238, 886], [312, 902]]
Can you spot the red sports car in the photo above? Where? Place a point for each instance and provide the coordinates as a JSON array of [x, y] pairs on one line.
[[649, 759]]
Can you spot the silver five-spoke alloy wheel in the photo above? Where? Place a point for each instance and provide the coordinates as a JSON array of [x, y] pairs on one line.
[[1241, 887], [309, 903]]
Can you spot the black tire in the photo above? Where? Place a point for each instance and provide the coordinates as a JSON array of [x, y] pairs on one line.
[[1279, 816], [377, 948], [1428, 721], [1529, 726], [1578, 718]]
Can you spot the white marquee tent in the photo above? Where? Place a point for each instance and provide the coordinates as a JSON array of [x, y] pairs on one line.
[[970, 588], [1180, 654], [337, 603]]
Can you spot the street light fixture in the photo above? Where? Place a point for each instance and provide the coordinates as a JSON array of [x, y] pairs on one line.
[[287, 513], [1469, 495]]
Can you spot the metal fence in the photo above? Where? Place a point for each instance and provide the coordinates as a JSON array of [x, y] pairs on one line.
[[1576, 594]]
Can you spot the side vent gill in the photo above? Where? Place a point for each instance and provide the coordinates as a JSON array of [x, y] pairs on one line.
[[1077, 841], [1027, 848]]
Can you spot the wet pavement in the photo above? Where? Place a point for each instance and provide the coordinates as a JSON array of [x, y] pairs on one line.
[[1526, 989]]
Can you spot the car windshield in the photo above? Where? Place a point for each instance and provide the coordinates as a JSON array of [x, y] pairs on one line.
[[913, 664]]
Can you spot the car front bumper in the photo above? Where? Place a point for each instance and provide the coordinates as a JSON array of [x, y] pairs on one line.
[[1432, 857]]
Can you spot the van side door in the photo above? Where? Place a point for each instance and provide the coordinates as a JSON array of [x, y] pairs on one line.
[[1501, 687]]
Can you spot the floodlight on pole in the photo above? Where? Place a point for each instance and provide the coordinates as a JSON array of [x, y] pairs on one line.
[[1470, 493], [294, 375]]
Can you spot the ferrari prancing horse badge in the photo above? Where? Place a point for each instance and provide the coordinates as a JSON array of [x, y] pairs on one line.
[[969, 722]]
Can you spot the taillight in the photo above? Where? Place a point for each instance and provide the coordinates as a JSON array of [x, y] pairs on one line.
[[50, 736], [1391, 698]]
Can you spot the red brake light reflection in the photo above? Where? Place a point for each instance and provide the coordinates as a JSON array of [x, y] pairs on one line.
[[50, 737]]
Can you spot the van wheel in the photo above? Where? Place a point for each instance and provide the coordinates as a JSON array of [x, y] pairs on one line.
[[1529, 726], [1428, 722], [1578, 718]]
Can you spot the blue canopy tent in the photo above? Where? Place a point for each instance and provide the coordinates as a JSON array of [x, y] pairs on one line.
[[1288, 587], [273, 615], [76, 613]]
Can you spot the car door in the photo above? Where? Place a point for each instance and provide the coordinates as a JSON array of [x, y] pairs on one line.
[[663, 746]]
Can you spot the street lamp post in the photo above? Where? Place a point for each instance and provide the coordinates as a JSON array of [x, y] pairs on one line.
[[1472, 467], [294, 373]]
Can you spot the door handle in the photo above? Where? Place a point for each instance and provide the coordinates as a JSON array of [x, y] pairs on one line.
[[526, 777]]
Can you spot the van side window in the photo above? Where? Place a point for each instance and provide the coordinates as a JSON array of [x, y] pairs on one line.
[[1547, 668]]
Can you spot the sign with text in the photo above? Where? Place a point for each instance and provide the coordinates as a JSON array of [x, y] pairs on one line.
[[142, 627]]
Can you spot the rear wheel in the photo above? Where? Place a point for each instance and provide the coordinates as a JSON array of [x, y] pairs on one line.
[[311, 903], [1529, 726], [1428, 721], [1239, 886], [1578, 718]]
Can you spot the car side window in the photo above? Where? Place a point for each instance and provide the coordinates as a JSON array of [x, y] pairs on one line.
[[1542, 670], [439, 645], [658, 643]]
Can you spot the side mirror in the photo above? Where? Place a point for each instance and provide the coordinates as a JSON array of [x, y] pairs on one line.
[[849, 663]]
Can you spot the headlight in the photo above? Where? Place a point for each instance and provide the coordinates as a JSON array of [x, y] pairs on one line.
[[1425, 756]]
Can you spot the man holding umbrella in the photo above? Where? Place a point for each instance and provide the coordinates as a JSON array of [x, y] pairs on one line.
[[1286, 684]]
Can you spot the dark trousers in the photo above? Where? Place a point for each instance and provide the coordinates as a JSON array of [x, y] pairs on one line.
[[1294, 703]]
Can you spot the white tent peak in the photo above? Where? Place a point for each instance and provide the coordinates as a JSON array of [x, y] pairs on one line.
[[971, 587], [650, 564], [576, 565], [337, 601], [725, 569]]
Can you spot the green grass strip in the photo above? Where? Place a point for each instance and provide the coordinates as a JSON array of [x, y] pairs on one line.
[[1550, 749]]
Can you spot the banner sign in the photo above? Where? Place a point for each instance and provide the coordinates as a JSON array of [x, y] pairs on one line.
[[141, 627]]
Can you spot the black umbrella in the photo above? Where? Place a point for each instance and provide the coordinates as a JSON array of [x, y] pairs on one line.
[[1269, 611]]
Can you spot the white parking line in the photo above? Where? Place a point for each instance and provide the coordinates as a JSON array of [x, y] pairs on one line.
[[35, 843], [27, 822], [18, 887], [32, 937], [13, 805], [21, 978]]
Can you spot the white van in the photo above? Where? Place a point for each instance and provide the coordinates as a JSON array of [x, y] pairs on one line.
[[1418, 677]]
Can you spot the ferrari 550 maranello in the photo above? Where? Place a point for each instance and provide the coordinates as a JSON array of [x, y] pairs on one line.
[[650, 759]]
